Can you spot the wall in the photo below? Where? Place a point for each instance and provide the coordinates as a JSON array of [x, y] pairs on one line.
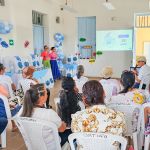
[[19, 13], [118, 60], [142, 35]]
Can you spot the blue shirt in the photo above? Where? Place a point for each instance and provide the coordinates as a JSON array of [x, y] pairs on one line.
[[2, 109]]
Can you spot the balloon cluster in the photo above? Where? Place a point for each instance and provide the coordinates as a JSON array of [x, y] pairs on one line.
[[5, 28], [59, 37]]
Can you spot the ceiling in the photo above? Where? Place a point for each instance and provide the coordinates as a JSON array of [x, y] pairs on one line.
[[123, 15]]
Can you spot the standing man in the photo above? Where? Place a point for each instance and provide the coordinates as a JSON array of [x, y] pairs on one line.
[[143, 77]]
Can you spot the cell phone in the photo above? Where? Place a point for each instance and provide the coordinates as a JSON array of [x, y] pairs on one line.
[[143, 86]]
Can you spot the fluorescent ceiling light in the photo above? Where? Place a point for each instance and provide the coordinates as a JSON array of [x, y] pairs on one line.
[[109, 6]]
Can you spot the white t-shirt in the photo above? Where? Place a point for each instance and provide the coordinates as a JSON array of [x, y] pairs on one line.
[[144, 76], [80, 82], [25, 84], [6, 78], [46, 115]]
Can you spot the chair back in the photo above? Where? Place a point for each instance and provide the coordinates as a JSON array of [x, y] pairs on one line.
[[25, 84], [6, 105], [109, 89], [38, 134], [131, 113], [96, 141]]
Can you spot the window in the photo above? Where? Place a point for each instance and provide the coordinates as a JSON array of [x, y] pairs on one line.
[[37, 18]]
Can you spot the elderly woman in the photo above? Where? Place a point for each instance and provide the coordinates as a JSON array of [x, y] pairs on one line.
[[28, 80], [97, 117], [111, 86]]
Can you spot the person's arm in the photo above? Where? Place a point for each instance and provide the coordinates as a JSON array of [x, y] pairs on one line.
[[13, 87], [146, 113], [62, 128], [3, 91]]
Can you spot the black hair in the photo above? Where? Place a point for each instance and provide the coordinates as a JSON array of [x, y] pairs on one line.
[[127, 80], [52, 48], [68, 100], [1, 67], [45, 46], [31, 98], [80, 71], [93, 93]]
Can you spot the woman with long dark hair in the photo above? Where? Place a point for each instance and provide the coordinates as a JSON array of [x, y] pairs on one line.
[[97, 117], [68, 105], [129, 94], [54, 66], [33, 106]]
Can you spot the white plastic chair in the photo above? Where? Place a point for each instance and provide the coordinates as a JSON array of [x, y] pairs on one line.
[[96, 141], [109, 89], [141, 128], [38, 134], [25, 84], [129, 111], [8, 113]]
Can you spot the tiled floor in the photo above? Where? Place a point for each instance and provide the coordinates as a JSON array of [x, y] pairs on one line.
[[14, 139]]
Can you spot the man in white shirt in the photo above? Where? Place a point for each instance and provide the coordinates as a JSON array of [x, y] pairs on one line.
[[5, 78], [144, 73]]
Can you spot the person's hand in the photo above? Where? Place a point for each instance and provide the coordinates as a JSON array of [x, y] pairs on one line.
[[76, 90], [63, 126]]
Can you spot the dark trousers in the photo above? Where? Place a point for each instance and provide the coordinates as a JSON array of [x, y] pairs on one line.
[[3, 124], [64, 136], [48, 98]]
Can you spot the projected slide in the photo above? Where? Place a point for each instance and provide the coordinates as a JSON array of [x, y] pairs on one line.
[[114, 40]]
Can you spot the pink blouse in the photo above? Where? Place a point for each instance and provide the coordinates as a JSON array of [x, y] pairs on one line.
[[53, 55]]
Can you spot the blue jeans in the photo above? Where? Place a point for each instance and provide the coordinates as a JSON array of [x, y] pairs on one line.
[[3, 124]]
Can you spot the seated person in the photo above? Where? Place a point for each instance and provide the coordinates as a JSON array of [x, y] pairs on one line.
[[5, 78], [129, 95], [33, 107], [107, 73], [67, 106], [80, 79], [97, 117], [3, 116], [28, 80]]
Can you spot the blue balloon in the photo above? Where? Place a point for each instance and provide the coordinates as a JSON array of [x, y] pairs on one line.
[[5, 28], [74, 58], [34, 63], [69, 59], [47, 83], [18, 58], [26, 64], [20, 65], [51, 80], [59, 37], [4, 44]]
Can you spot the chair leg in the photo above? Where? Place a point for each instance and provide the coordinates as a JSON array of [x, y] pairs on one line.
[[3, 139], [135, 141], [147, 141]]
